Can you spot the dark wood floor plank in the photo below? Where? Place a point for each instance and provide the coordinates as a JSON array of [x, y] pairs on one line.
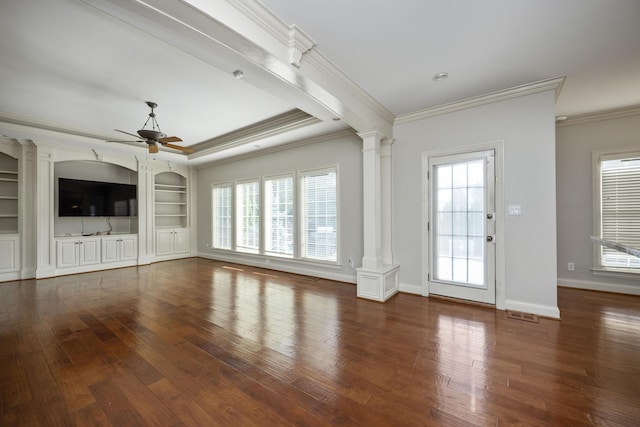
[[199, 342]]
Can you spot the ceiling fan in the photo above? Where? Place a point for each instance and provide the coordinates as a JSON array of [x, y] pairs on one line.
[[154, 136]]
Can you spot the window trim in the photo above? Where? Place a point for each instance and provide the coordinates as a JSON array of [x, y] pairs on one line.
[[597, 157], [236, 183], [263, 215], [318, 171], [214, 186]]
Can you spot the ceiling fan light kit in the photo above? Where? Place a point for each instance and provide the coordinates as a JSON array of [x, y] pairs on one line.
[[154, 136]]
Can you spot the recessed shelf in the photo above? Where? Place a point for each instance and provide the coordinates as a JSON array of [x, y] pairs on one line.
[[170, 203], [183, 187], [171, 191], [8, 194]]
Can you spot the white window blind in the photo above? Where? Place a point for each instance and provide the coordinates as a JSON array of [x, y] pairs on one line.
[[221, 226], [248, 217], [620, 210], [278, 212], [319, 215]]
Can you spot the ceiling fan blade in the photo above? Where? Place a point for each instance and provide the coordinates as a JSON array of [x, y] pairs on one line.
[[169, 139], [177, 147], [153, 148], [135, 136]]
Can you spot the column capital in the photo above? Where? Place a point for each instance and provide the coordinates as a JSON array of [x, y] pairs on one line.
[[373, 133]]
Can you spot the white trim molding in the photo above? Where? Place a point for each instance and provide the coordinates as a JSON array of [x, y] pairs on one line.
[[629, 289], [540, 310], [603, 115], [554, 84]]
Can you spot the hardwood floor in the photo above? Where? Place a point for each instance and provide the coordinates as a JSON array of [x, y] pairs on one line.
[[203, 343]]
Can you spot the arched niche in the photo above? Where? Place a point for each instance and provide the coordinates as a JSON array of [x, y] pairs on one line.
[[93, 170]]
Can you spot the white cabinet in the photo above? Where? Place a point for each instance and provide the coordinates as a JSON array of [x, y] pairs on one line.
[[171, 242], [9, 253], [83, 254], [78, 252], [119, 248]]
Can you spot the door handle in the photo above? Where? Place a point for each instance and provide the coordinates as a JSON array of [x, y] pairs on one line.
[[489, 238]]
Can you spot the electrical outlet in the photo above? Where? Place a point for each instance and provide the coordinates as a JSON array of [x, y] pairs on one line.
[[208, 246], [350, 263], [571, 266]]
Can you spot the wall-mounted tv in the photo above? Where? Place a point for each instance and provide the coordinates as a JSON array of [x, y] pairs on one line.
[[77, 197]]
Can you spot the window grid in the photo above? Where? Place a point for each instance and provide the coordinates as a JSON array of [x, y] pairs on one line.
[[248, 217], [620, 210], [459, 222], [222, 217], [279, 216], [319, 216]]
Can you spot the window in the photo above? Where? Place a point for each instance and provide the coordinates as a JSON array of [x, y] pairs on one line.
[[248, 217], [293, 215], [278, 216], [318, 215], [617, 209], [222, 216]]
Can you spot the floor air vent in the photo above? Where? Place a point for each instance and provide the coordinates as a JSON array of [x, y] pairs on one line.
[[523, 316]]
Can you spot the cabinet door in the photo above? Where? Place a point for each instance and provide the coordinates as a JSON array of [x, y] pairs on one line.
[[164, 242], [89, 251], [181, 241], [128, 248], [110, 248], [9, 254], [67, 253]]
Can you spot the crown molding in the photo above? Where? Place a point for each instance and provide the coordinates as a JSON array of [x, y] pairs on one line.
[[44, 126], [264, 18], [554, 84], [282, 147], [293, 37], [599, 116], [286, 122]]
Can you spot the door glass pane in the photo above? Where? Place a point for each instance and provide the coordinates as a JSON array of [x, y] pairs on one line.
[[460, 223]]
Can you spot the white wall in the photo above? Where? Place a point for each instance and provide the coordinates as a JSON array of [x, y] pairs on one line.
[[526, 127], [575, 144], [344, 151]]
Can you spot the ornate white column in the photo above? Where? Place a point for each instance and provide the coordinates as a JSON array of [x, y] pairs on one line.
[[377, 279], [44, 202]]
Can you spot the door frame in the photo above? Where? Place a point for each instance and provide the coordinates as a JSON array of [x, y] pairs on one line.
[[500, 274]]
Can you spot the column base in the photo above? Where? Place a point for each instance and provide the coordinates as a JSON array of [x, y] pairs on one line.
[[378, 285]]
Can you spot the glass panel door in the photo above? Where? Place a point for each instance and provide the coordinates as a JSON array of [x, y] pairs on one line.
[[461, 226]]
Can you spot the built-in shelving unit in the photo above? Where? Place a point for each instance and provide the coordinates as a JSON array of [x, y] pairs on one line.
[[8, 194], [170, 200]]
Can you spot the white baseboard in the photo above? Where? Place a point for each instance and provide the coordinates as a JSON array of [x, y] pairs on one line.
[[540, 310], [598, 286], [280, 266], [408, 288]]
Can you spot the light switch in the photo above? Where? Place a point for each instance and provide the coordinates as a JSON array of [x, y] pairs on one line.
[[514, 210]]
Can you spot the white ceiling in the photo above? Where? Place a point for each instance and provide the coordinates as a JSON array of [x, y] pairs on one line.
[[73, 66], [392, 49]]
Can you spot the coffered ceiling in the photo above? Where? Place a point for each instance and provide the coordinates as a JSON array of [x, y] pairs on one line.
[[74, 70]]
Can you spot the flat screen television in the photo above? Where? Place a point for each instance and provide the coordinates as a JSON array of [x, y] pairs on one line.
[[77, 197]]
